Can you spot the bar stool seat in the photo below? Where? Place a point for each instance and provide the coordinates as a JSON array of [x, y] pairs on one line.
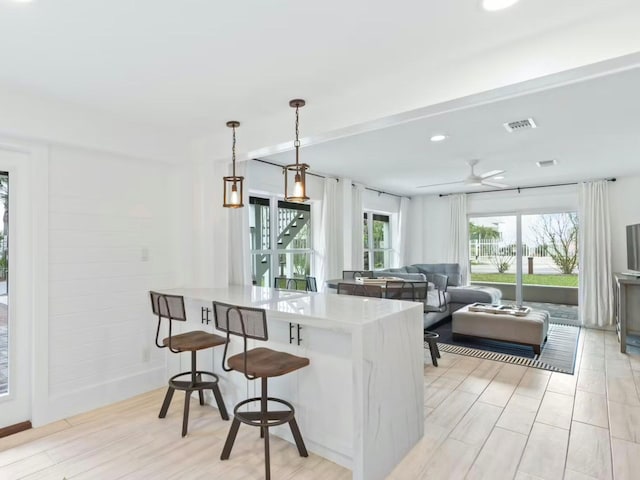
[[264, 362], [171, 308], [198, 340]]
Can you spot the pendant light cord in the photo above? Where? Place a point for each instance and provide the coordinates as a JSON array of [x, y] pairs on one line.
[[297, 142], [233, 151]]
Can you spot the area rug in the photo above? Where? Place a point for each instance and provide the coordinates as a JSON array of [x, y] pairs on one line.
[[558, 353]]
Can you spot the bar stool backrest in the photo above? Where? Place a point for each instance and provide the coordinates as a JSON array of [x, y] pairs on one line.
[[360, 290], [290, 283], [311, 284], [399, 290], [245, 322], [420, 290], [170, 307], [440, 282]]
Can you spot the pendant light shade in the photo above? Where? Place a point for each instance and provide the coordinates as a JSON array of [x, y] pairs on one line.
[[295, 181], [233, 191]]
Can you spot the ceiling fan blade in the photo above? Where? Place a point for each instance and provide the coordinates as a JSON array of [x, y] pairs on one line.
[[492, 173], [439, 184], [495, 184]]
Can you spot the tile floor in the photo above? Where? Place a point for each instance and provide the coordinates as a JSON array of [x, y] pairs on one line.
[[499, 421], [483, 420]]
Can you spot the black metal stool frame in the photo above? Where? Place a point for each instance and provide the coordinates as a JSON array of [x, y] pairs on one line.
[[432, 339], [263, 418], [195, 383]]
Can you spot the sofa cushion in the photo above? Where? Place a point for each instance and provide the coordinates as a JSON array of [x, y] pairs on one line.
[[474, 293], [381, 273], [452, 270]]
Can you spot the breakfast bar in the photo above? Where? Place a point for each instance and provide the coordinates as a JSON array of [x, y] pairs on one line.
[[360, 401]]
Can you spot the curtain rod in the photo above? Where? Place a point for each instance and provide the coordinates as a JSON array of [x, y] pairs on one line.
[[380, 192], [518, 189]]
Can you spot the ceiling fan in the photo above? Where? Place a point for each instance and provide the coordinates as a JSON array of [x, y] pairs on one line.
[[474, 180]]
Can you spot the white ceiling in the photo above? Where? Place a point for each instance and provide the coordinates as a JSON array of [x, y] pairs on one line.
[[192, 65], [591, 128]]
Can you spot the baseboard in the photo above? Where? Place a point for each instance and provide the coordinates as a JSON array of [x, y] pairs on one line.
[[11, 429], [95, 396]]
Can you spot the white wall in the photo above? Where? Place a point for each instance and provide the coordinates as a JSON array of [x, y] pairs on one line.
[[380, 202], [112, 236], [26, 116], [623, 195]]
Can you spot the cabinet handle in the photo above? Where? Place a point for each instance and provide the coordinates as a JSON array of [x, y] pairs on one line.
[[299, 338], [204, 311], [290, 332]]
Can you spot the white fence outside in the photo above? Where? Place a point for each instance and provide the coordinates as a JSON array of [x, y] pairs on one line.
[[489, 248]]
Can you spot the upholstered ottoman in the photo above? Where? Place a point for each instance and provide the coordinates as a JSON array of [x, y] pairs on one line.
[[530, 329]]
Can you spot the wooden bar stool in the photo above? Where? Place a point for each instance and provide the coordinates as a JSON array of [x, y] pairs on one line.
[[171, 307], [262, 363]]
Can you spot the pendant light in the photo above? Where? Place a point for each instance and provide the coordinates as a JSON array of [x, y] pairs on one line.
[[233, 192], [294, 174]]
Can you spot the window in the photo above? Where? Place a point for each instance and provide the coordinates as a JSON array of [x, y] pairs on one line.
[[525, 249], [377, 241], [280, 239]]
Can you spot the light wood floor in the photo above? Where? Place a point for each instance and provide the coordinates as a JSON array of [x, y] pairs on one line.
[[483, 419]]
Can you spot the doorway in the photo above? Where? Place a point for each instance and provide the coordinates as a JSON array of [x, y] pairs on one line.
[[16, 287]]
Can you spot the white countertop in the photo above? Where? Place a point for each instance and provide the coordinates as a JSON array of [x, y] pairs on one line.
[[318, 309]]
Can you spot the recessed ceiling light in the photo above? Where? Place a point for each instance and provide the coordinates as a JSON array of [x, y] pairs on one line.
[[438, 138], [493, 5]]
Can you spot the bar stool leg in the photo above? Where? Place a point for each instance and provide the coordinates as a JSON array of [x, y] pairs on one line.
[[231, 437], [167, 402], [432, 350], [265, 430], [185, 418], [200, 391], [220, 402], [297, 436]]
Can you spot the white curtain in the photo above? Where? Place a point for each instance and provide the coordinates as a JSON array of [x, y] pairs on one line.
[[595, 291], [357, 228], [239, 245], [458, 251], [329, 255], [403, 231]]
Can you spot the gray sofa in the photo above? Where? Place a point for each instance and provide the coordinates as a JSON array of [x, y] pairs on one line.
[[457, 295]]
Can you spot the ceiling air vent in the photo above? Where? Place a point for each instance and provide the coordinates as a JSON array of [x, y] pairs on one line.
[[546, 163], [520, 125]]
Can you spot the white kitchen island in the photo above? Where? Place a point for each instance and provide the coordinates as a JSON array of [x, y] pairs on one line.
[[360, 401]]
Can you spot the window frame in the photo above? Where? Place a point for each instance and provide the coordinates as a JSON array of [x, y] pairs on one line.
[[273, 251], [369, 249]]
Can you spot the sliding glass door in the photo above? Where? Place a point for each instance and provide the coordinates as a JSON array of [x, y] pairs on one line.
[[530, 257]]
